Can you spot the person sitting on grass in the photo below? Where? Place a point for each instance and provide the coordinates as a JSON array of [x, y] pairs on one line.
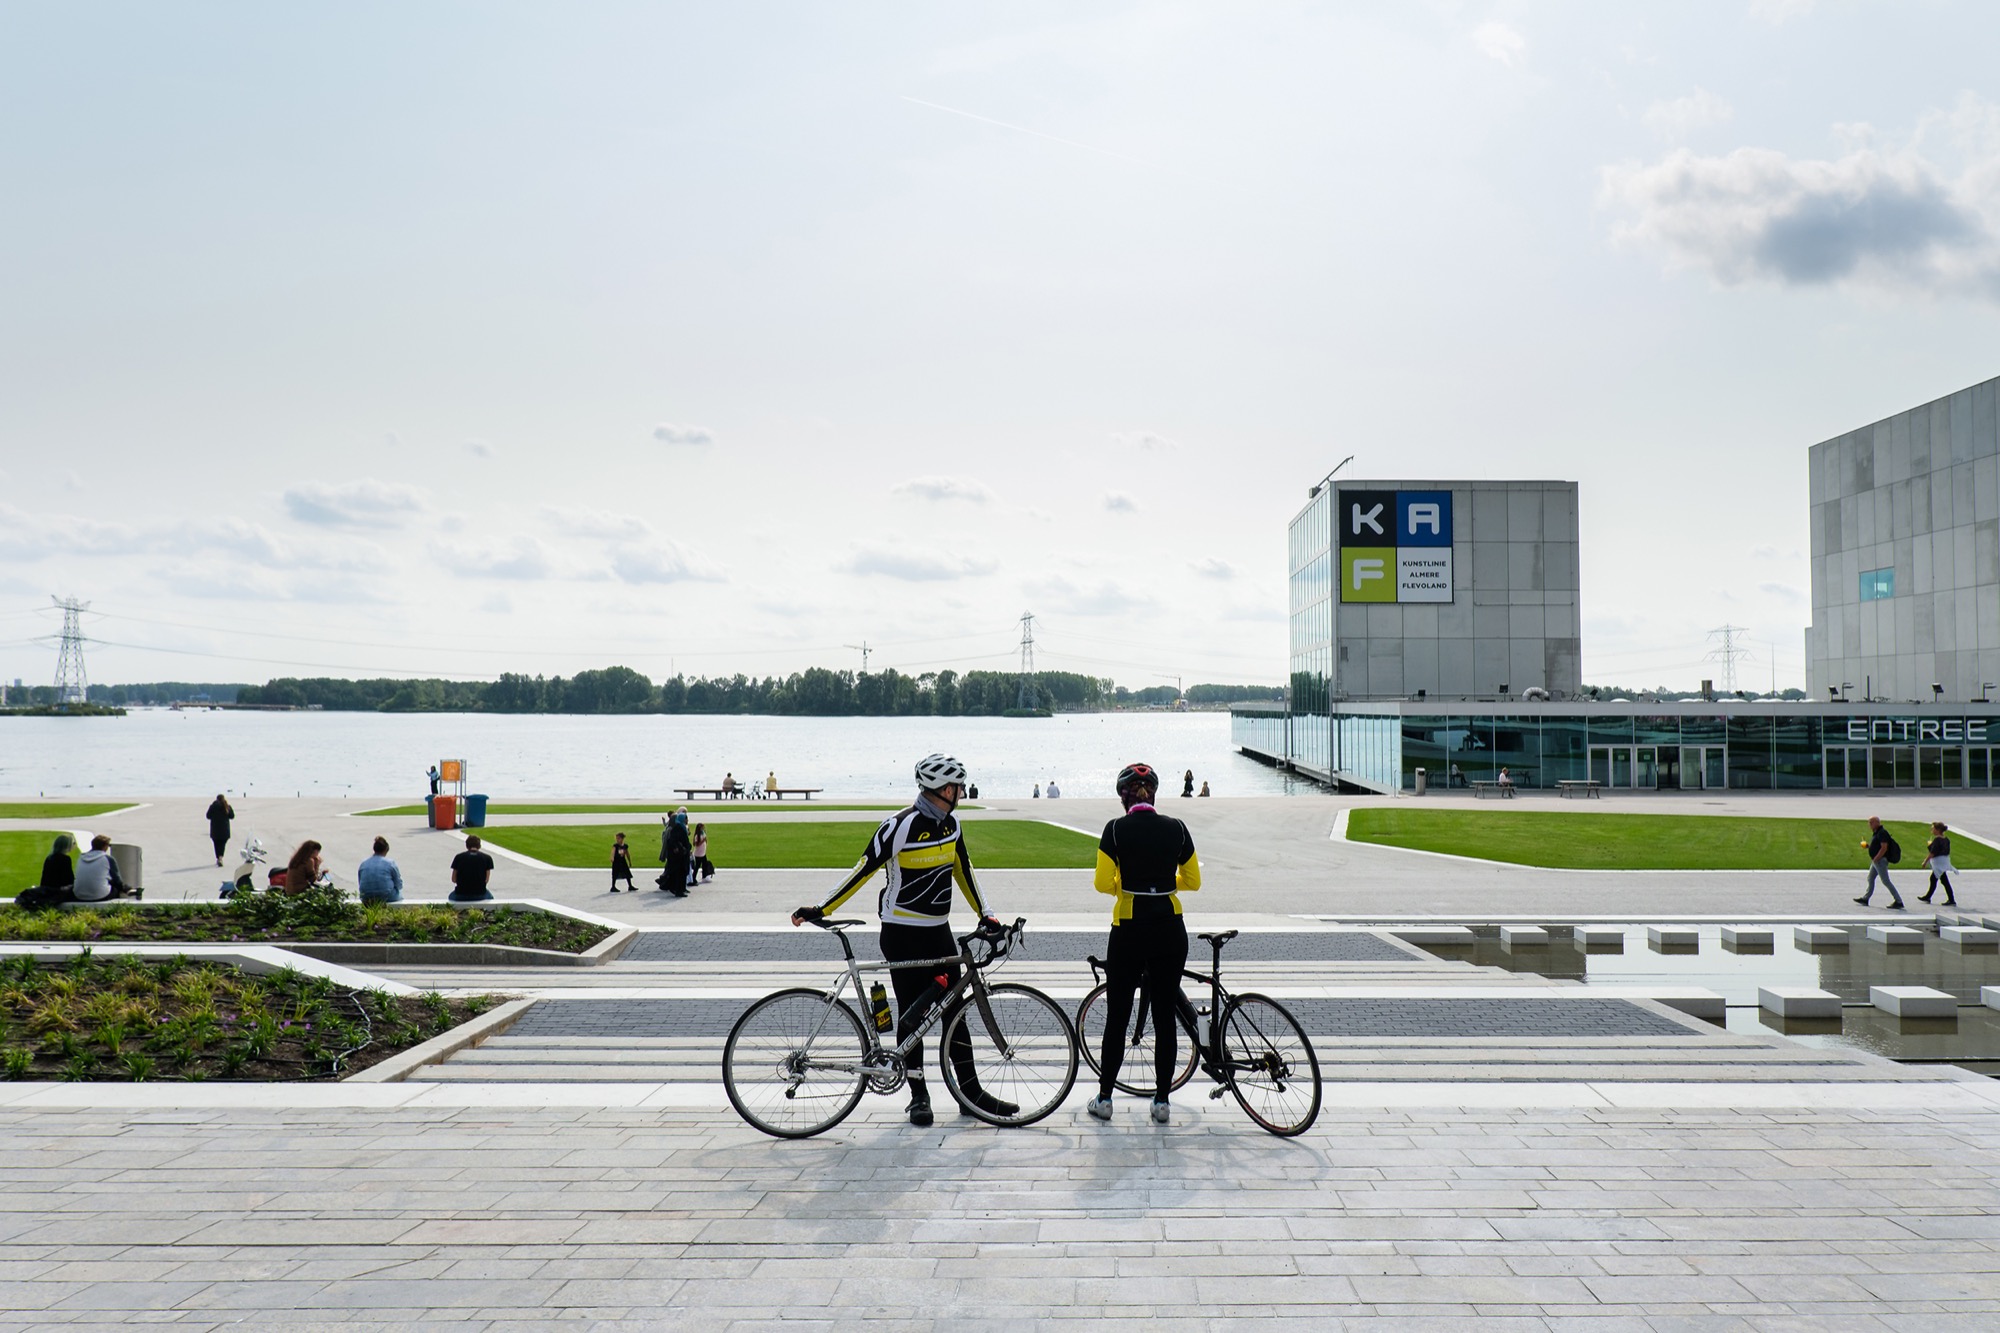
[[97, 879], [379, 880], [471, 873], [58, 881]]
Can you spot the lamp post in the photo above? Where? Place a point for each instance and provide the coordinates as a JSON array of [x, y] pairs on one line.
[[1320, 485]]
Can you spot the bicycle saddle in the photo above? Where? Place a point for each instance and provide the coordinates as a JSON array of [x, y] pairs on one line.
[[1218, 937], [839, 925]]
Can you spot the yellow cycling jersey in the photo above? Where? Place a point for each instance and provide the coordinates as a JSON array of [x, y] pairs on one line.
[[922, 855]]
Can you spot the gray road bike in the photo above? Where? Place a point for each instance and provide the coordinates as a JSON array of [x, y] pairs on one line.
[[1254, 1049], [798, 1061]]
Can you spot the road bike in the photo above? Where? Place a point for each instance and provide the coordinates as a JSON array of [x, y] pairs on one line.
[[1254, 1048], [798, 1061]]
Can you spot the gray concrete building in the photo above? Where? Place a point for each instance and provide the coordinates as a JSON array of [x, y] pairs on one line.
[[1906, 554], [1451, 588]]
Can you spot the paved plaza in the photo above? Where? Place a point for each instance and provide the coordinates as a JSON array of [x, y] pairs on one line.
[[1497, 1149]]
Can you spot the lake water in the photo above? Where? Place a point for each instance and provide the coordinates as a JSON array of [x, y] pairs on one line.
[[159, 752]]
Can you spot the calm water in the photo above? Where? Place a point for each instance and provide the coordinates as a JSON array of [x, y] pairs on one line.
[[158, 752]]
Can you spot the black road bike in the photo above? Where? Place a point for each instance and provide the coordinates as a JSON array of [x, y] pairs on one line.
[[1253, 1049], [798, 1060]]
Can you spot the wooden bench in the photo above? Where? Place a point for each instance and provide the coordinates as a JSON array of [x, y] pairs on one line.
[[1573, 787], [1485, 789], [745, 794]]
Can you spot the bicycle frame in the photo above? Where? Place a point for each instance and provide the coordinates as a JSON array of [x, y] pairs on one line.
[[971, 978], [1213, 1062]]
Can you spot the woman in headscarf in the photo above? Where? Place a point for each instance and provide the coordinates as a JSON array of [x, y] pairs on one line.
[[58, 882]]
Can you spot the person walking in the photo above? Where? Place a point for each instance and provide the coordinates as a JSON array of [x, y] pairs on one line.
[[1882, 853], [219, 815], [621, 864], [676, 850], [921, 851], [471, 874], [1187, 784], [1146, 860], [1937, 856], [701, 867], [379, 880]]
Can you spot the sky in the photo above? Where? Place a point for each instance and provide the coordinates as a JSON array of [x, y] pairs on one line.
[[453, 339]]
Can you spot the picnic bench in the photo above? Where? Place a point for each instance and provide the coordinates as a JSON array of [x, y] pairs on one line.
[[1571, 788], [1493, 788], [744, 793]]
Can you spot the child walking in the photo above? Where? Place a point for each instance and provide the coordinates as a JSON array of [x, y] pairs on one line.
[[621, 865], [701, 865]]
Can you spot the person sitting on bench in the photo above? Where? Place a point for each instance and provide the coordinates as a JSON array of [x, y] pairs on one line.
[[97, 878]]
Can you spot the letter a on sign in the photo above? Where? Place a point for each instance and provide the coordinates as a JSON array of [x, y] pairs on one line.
[[1425, 517]]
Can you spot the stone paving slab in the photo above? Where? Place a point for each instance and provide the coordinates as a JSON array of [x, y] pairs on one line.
[[1789, 1218]]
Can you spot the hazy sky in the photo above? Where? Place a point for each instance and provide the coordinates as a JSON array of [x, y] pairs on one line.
[[460, 338]]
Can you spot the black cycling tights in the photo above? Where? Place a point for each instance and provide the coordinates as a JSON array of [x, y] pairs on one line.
[[901, 942], [1153, 952]]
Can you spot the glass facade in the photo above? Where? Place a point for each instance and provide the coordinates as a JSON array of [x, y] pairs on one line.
[[1309, 561], [1748, 748]]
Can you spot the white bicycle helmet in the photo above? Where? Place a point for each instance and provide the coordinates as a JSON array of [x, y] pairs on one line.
[[939, 770]]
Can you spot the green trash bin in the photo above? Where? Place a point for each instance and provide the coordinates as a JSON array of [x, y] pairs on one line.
[[475, 810]]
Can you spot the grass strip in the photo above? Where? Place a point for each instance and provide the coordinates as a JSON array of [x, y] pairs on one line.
[[655, 809], [120, 1019], [1562, 841], [59, 809], [996, 844], [22, 852]]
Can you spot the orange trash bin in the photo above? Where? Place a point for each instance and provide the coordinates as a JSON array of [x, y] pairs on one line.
[[444, 812]]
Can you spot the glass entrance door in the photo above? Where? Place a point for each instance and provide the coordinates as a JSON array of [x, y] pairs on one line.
[[1670, 769], [1846, 767], [1646, 767], [1702, 767]]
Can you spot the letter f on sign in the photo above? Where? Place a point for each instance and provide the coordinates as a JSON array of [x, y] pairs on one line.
[[1367, 568], [1370, 518]]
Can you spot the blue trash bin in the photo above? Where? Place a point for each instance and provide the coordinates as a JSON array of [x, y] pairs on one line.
[[475, 810]]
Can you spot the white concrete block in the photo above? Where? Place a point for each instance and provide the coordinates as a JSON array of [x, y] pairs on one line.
[[1798, 1001], [1972, 939], [1674, 937], [1748, 937], [1897, 937], [1598, 937], [1913, 1001], [1990, 922], [1434, 934], [1706, 1005], [1518, 937], [1819, 937], [1990, 996]]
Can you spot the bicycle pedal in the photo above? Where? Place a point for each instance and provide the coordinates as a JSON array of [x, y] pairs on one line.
[[1216, 1094]]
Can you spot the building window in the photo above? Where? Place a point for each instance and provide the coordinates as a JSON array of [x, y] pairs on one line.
[[1877, 584]]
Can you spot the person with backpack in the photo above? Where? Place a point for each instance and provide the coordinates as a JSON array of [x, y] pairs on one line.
[[1882, 853]]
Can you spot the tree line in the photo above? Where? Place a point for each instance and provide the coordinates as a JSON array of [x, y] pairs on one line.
[[816, 692]]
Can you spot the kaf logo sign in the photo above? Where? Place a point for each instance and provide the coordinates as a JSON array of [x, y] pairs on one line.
[[1395, 546]]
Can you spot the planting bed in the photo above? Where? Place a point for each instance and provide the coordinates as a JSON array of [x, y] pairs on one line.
[[320, 917], [122, 1019]]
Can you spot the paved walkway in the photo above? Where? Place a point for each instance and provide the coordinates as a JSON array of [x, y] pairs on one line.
[[1613, 1220]]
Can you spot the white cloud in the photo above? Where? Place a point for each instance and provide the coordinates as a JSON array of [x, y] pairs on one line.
[[356, 504], [1120, 503], [520, 558], [1784, 592], [1496, 41], [661, 561], [914, 567], [498, 604], [1103, 598], [27, 537], [479, 448], [945, 488], [1214, 567], [1675, 120], [1775, 12], [1893, 218], [1144, 441], [584, 521], [669, 433]]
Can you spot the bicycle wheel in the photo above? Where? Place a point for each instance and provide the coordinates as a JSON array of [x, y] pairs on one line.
[[1272, 1068], [1032, 1074], [792, 1064], [1138, 1045]]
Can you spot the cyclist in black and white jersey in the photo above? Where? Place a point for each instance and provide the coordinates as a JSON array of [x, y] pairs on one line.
[[921, 850]]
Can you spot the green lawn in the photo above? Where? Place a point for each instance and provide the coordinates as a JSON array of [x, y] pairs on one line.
[[1650, 842], [61, 809], [21, 857], [997, 844], [656, 809]]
